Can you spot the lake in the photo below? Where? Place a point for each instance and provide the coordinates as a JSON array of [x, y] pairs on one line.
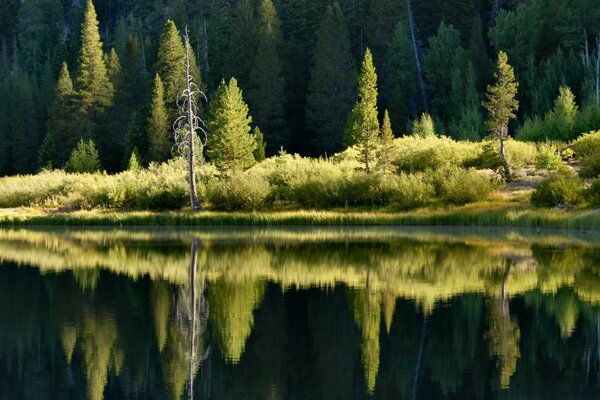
[[299, 313]]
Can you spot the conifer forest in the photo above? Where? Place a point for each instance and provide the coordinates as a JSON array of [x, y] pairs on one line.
[[111, 71]]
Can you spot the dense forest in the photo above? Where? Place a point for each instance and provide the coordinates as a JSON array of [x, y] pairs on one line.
[[111, 71]]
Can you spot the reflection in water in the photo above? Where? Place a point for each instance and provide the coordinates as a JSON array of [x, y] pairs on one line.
[[294, 314]]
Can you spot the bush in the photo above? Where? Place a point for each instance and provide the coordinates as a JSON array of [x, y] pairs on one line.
[[420, 154], [548, 159], [460, 186], [518, 154], [587, 150], [593, 193], [558, 189], [240, 191]]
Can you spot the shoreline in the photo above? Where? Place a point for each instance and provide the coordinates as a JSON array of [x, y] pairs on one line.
[[471, 215]]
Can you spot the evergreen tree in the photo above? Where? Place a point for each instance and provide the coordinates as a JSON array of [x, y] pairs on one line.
[[92, 83], [363, 125], [424, 126], [478, 55], [169, 64], [24, 130], [468, 124], [332, 83], [230, 144], [134, 163], [159, 143], [444, 59], [260, 149], [381, 19], [62, 129], [502, 105], [400, 82], [266, 94], [242, 44], [84, 158], [170, 60], [113, 68], [387, 149], [560, 121]]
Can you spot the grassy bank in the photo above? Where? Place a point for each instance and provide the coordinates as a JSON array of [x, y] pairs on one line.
[[479, 214]]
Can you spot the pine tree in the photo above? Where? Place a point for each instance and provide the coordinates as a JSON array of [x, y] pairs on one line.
[[400, 87], [170, 61], [94, 88], [266, 94], [24, 130], [502, 105], [332, 84], [560, 121], [468, 124], [478, 55], [387, 149], [445, 57], [260, 149], [84, 158], [424, 126], [230, 144], [242, 45], [159, 143], [363, 125], [62, 128], [113, 68]]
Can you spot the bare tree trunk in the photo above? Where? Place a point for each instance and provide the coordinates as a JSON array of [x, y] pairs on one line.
[[596, 61], [502, 135], [413, 35], [190, 115]]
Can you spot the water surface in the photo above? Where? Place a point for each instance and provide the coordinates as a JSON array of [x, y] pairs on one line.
[[299, 313]]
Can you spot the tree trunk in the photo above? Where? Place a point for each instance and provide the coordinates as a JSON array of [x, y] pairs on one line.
[[195, 203], [413, 36]]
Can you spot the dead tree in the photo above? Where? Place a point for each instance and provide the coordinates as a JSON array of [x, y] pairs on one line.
[[592, 64], [190, 133], [415, 47]]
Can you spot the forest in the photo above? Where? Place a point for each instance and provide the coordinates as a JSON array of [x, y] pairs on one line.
[[88, 87]]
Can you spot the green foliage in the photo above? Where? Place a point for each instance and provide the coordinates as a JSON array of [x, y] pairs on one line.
[[443, 65], [593, 193], [170, 61], [548, 159], [400, 82], [587, 150], [460, 186], [332, 82], [230, 144], [501, 102], [558, 189], [239, 191], [518, 154], [84, 158], [423, 127], [134, 163], [363, 126], [419, 154], [95, 91], [159, 145], [266, 93], [260, 147], [388, 152]]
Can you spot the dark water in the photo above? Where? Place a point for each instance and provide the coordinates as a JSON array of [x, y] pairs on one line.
[[299, 314]]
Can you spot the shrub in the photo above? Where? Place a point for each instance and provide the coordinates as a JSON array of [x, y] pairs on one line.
[[410, 191], [587, 150], [558, 189], [240, 191], [460, 186], [548, 159], [424, 126], [420, 154], [84, 158], [593, 193], [518, 154]]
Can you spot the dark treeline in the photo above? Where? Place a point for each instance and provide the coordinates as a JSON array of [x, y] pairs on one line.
[[112, 74]]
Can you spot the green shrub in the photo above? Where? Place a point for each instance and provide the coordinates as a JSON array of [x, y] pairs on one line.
[[587, 150], [548, 159], [240, 191], [460, 186], [84, 158], [518, 154], [593, 193], [410, 191], [558, 189], [420, 154]]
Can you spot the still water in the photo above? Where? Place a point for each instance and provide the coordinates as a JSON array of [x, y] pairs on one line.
[[299, 314]]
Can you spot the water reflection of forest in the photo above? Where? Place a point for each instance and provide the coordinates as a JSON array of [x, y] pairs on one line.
[[286, 314]]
